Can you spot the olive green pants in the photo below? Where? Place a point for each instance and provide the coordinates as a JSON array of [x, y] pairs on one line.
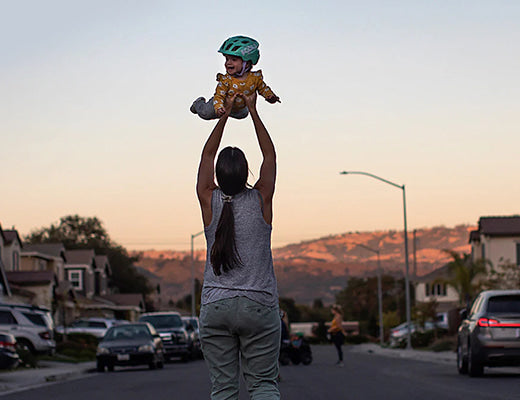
[[239, 332]]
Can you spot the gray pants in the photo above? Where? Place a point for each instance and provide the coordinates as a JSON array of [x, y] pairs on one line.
[[235, 332], [205, 110]]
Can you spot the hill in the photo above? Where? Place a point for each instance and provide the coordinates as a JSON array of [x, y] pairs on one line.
[[319, 268]]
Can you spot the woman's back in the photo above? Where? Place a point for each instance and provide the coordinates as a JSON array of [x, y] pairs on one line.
[[254, 276]]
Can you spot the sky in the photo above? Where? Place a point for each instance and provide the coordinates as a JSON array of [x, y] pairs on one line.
[[95, 120]]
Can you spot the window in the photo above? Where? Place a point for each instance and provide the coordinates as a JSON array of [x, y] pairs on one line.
[[504, 304], [42, 265], [97, 324], [7, 318], [436, 289], [75, 278], [36, 319], [483, 251], [427, 289]]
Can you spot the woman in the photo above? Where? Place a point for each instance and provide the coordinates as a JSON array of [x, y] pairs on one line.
[[337, 332], [239, 317]]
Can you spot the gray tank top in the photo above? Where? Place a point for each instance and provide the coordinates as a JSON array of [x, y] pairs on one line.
[[254, 278]]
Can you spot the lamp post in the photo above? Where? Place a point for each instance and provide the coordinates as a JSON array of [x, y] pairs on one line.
[[407, 278], [193, 236], [379, 293]]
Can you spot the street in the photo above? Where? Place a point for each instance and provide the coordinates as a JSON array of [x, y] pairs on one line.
[[365, 376]]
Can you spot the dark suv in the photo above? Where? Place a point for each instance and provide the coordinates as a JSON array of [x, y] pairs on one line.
[[169, 325], [489, 335]]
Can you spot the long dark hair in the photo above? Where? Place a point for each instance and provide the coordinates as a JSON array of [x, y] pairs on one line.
[[231, 171]]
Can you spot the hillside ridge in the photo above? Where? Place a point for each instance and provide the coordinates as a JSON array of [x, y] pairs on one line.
[[317, 268]]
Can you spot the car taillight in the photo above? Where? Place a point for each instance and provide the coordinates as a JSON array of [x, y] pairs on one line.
[[45, 335], [490, 323], [7, 345]]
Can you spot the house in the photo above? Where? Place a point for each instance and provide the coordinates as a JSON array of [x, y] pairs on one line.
[[11, 251], [53, 254], [497, 240], [43, 274], [434, 287], [79, 270], [5, 290], [33, 287], [102, 274]]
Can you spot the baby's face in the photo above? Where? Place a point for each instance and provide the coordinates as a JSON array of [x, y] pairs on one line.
[[233, 64]]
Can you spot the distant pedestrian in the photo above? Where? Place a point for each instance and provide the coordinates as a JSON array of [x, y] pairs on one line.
[[239, 317], [337, 332]]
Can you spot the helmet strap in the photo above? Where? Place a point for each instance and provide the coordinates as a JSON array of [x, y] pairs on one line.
[[245, 68]]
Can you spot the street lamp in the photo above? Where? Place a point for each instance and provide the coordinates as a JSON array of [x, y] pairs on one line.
[[407, 278], [193, 274], [379, 293]]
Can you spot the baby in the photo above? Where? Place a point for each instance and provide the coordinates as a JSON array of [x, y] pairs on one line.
[[241, 54]]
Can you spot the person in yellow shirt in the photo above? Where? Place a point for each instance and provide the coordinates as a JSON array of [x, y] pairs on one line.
[[241, 53], [337, 332]]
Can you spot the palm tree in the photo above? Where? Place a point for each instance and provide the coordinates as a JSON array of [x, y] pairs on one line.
[[464, 273]]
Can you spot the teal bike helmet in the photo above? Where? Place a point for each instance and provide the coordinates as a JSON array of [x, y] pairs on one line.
[[243, 47]]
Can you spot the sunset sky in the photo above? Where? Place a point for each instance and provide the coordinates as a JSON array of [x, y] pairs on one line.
[[95, 120]]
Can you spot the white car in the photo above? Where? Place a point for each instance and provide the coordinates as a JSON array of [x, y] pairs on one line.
[[31, 326], [93, 326], [399, 333]]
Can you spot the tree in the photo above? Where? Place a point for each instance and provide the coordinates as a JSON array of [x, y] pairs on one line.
[[505, 276], [464, 275], [77, 232]]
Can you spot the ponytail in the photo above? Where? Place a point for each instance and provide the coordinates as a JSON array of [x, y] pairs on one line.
[[224, 254]]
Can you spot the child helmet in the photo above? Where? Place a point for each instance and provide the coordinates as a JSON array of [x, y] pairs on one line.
[[241, 46]]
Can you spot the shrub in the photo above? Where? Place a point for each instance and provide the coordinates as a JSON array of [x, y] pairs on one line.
[[27, 359]]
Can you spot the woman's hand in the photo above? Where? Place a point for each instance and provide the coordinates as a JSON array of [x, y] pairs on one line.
[[228, 105], [250, 100]]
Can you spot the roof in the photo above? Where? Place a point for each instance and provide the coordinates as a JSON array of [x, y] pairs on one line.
[[80, 256], [27, 278], [12, 235], [103, 263], [52, 249], [474, 236], [442, 272], [499, 226]]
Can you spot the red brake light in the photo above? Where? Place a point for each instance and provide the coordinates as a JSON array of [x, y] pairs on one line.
[[45, 335], [490, 323], [7, 345]]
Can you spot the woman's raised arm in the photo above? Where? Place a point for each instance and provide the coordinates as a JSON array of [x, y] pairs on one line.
[[266, 182], [206, 173]]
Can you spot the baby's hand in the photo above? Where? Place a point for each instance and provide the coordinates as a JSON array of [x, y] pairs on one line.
[[221, 112], [273, 99]]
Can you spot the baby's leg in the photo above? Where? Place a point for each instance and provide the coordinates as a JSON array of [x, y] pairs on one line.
[[204, 109], [241, 113]]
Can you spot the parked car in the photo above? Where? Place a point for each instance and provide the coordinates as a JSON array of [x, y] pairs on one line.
[[489, 334], [9, 358], [31, 326], [192, 327], [129, 345], [398, 334], [177, 342], [93, 326]]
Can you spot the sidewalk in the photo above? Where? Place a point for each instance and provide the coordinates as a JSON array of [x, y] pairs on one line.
[[443, 357], [47, 372]]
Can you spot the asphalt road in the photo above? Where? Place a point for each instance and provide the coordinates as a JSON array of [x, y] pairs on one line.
[[365, 376]]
